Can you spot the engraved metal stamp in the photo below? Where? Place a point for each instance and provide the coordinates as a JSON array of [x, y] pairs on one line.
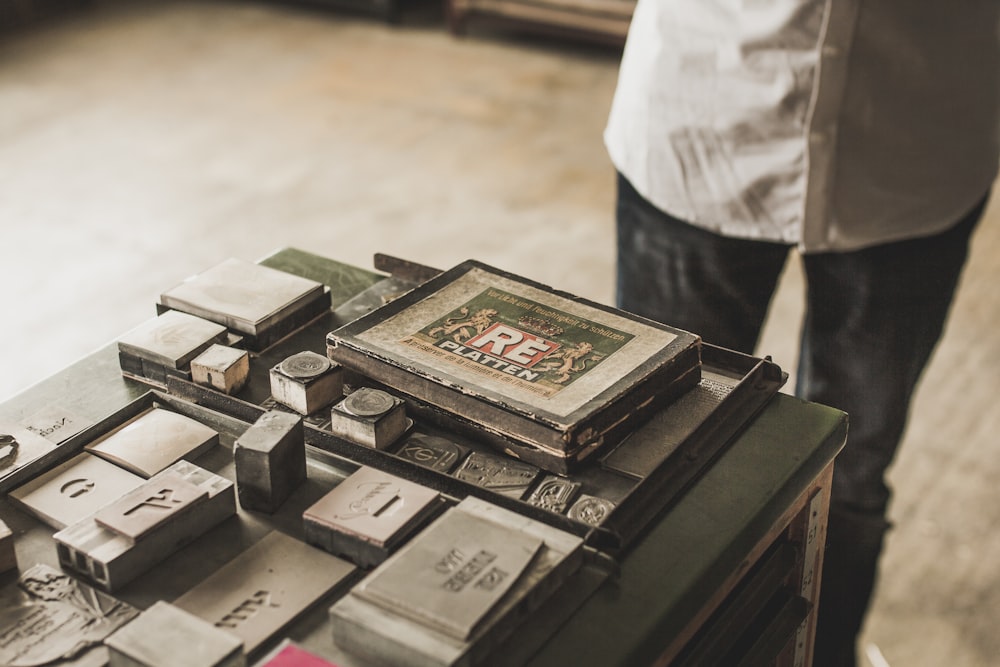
[[432, 452], [503, 475], [591, 510], [554, 494]]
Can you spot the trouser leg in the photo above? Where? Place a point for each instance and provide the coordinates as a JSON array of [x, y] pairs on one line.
[[872, 320], [692, 279]]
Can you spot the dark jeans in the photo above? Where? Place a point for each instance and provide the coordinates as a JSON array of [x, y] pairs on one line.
[[872, 318]]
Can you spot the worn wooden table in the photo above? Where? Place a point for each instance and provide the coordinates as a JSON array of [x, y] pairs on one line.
[[728, 575]]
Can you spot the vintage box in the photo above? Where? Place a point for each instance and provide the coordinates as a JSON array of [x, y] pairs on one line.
[[261, 303], [550, 377]]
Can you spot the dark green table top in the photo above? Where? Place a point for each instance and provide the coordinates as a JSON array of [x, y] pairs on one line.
[[664, 579]]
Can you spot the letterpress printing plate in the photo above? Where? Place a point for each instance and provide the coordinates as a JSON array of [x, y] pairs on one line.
[[242, 295], [74, 490], [373, 506], [155, 440], [158, 500], [498, 473], [173, 339], [451, 574], [47, 617], [266, 587], [165, 636]]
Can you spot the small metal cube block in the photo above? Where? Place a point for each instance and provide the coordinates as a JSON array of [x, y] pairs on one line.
[[223, 368], [8, 559], [167, 636], [307, 382], [270, 460], [369, 417]]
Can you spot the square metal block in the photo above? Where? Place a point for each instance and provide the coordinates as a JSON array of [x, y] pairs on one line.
[[369, 417], [220, 367], [307, 382], [270, 460]]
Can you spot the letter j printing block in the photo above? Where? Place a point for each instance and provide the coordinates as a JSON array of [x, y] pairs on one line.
[[270, 460]]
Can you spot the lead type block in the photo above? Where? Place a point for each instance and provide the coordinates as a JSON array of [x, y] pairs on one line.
[[270, 460], [307, 382], [220, 367], [127, 538], [369, 417], [166, 636]]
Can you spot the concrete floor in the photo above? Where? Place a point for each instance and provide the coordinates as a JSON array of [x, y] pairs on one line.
[[142, 142]]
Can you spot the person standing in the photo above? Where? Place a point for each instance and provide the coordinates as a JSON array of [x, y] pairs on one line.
[[863, 134]]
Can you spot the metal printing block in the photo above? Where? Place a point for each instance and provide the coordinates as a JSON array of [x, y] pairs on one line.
[[554, 493], [270, 460], [431, 451], [590, 509], [307, 382], [167, 343], [387, 633], [111, 559], [265, 588], [48, 618], [366, 516], [165, 498], [262, 303], [166, 636], [8, 557], [369, 417], [155, 440], [452, 573], [220, 367], [74, 490], [501, 474]]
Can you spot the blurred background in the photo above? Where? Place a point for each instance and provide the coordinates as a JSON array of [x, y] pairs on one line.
[[144, 141]]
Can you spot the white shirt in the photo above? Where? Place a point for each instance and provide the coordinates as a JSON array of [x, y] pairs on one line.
[[828, 124]]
